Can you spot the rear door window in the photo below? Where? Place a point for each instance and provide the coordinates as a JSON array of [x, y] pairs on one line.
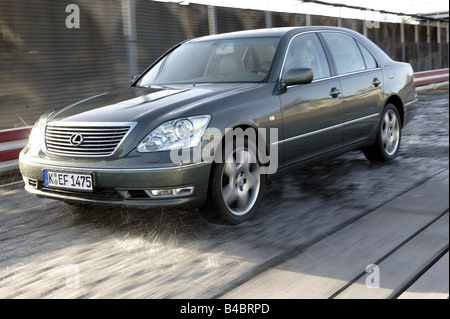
[[345, 52], [371, 63]]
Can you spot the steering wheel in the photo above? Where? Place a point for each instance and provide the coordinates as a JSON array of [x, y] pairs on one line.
[[259, 70]]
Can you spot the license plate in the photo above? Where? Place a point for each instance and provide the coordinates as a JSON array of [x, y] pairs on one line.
[[82, 182]]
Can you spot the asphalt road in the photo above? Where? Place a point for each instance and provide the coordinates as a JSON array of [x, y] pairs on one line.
[[345, 228]]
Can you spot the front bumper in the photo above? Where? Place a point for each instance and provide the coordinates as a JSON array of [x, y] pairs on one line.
[[118, 184]]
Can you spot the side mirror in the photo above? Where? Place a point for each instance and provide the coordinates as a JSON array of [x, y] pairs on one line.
[[298, 76], [134, 78]]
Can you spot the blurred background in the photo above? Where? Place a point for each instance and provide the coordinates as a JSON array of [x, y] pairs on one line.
[[53, 54]]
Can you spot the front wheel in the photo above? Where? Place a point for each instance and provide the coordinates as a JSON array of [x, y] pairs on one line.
[[387, 143], [237, 187]]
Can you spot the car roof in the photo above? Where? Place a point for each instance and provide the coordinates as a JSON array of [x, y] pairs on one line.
[[267, 32]]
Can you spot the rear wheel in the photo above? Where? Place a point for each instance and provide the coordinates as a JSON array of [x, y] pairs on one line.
[[237, 187], [387, 143]]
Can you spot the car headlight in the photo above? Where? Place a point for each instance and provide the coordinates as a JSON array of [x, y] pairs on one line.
[[37, 134], [176, 134]]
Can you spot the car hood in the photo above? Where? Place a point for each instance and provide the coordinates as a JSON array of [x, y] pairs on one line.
[[135, 104]]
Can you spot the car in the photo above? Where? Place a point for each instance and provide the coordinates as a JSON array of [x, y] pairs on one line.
[[215, 118]]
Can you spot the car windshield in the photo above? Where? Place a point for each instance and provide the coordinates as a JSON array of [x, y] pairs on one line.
[[220, 61]]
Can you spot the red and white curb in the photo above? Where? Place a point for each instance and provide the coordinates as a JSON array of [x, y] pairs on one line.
[[11, 143], [429, 77]]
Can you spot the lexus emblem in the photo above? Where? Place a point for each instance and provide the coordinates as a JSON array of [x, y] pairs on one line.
[[76, 139]]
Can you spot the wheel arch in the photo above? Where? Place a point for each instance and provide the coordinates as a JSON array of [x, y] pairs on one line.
[[242, 126], [397, 102], [213, 189]]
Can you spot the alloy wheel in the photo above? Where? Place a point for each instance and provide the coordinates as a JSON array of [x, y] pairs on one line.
[[390, 132], [240, 181]]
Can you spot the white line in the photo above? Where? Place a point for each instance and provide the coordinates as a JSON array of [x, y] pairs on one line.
[[11, 145], [424, 72], [13, 183], [431, 77], [431, 86], [15, 129]]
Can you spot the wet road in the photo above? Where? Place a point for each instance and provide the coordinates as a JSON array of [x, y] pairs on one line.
[[315, 234]]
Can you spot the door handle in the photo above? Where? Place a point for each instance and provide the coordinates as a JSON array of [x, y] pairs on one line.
[[334, 92], [376, 82]]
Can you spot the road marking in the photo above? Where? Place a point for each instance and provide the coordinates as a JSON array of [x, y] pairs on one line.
[[10, 184]]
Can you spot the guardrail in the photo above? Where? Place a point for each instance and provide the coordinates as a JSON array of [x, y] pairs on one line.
[[12, 141], [429, 77]]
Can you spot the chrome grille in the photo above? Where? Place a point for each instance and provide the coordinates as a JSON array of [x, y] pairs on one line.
[[98, 139]]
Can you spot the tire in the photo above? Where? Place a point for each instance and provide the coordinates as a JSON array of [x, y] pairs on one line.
[[389, 134], [236, 187]]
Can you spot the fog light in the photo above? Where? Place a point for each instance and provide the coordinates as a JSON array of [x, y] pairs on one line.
[[161, 192], [170, 192]]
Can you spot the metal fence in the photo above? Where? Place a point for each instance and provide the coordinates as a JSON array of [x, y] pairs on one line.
[[46, 64]]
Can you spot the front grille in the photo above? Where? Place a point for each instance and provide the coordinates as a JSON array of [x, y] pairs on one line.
[[85, 140]]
